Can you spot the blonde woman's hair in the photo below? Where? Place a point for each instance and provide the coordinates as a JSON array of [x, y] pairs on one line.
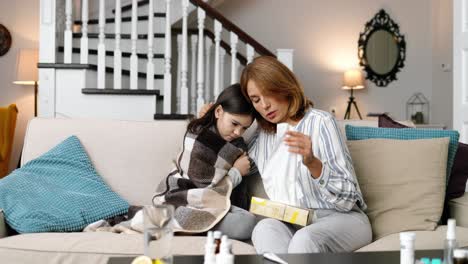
[[275, 79]]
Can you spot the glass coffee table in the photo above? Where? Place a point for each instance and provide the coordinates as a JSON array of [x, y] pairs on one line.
[[383, 257]]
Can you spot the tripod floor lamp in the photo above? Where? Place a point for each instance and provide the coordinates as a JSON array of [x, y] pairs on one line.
[[352, 80]]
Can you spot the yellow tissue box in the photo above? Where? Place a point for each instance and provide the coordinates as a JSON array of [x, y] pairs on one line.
[[280, 211]]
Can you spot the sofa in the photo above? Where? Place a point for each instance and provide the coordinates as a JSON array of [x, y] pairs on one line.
[[132, 157]]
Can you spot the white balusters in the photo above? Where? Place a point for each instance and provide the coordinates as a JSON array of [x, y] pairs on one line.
[[84, 33], [222, 58], [201, 25], [179, 72], [217, 31], [167, 62], [286, 57], [234, 40], [193, 83], [117, 50], [250, 53], [208, 45], [184, 68], [101, 48], [150, 64], [133, 57], [68, 35]]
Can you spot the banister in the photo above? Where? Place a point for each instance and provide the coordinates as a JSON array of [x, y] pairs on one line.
[[215, 14], [242, 59]]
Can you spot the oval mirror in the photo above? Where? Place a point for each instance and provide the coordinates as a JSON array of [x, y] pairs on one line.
[[381, 49]]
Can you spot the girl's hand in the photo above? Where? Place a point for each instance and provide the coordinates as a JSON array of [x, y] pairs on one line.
[[242, 164], [204, 109], [302, 144]]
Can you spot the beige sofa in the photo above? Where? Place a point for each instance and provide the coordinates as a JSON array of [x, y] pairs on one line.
[[132, 157]]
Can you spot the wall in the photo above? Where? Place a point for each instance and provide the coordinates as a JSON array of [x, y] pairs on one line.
[[324, 35], [442, 80], [21, 17]]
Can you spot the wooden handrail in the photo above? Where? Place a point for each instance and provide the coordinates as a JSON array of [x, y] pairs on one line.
[[211, 35], [215, 14]]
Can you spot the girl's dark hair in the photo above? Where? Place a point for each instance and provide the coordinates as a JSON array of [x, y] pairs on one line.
[[232, 101]]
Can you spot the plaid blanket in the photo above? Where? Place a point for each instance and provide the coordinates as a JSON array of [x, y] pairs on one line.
[[199, 187]]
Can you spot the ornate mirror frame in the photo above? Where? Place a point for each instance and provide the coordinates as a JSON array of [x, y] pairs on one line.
[[381, 21]]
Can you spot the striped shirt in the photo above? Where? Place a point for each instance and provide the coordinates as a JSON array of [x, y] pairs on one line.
[[337, 187]]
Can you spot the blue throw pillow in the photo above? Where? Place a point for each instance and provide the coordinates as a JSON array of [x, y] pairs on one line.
[[360, 133], [58, 192]]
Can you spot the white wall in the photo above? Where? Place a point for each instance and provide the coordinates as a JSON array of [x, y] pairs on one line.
[[324, 35], [21, 17], [442, 81]]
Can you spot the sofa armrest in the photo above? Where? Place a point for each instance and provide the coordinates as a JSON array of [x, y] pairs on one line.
[[459, 210], [3, 228]]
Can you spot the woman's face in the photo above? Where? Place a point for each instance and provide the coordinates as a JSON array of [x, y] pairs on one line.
[[231, 126], [273, 108]]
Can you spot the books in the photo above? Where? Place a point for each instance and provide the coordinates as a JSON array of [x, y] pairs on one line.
[[280, 211]]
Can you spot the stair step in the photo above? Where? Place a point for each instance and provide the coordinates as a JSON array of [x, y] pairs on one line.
[[126, 72], [129, 6], [108, 91], [124, 19], [122, 36], [111, 53], [64, 66], [172, 116]]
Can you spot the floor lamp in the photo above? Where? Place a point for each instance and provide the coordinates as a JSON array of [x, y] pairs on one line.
[[26, 71], [352, 80]]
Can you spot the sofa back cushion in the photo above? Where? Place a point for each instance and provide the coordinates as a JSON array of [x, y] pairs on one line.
[[132, 157], [403, 182]]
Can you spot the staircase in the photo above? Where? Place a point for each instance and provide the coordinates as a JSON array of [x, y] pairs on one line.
[[132, 62]]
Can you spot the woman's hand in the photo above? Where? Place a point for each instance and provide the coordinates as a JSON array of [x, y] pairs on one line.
[[204, 109], [242, 164], [302, 144]]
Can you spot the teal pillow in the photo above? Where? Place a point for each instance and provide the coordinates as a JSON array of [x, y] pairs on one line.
[[59, 191], [360, 133]]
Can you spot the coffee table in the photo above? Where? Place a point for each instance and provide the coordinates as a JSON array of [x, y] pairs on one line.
[[384, 257]]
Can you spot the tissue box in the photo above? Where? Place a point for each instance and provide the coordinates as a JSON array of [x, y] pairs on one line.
[[280, 211]]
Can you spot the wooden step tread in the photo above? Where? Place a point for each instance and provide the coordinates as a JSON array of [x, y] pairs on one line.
[[127, 72], [122, 36], [129, 6], [124, 19], [111, 53], [127, 91], [173, 116]]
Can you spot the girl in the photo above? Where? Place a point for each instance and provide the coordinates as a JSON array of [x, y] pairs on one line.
[[212, 162]]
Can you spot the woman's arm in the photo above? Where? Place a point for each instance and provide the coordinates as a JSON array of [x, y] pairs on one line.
[[337, 180]]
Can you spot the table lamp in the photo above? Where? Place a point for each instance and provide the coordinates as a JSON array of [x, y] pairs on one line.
[[26, 71], [352, 80]]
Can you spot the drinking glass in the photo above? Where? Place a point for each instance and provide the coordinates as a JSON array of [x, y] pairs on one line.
[[158, 232]]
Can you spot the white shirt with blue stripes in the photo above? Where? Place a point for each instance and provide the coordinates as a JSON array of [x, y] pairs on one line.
[[337, 187]]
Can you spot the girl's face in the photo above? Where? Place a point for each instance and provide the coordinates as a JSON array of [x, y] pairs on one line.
[[231, 126], [273, 108]]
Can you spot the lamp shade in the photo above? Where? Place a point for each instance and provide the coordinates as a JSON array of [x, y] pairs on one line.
[[353, 79], [26, 71]]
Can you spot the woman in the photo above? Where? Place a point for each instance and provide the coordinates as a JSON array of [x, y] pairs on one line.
[[324, 180], [213, 151]]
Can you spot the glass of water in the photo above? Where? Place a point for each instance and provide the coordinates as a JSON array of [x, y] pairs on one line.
[[158, 232]]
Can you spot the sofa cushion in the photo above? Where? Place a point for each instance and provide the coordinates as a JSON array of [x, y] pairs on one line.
[[459, 174], [359, 133], [59, 191], [402, 181], [458, 177], [425, 240], [458, 208], [95, 247]]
